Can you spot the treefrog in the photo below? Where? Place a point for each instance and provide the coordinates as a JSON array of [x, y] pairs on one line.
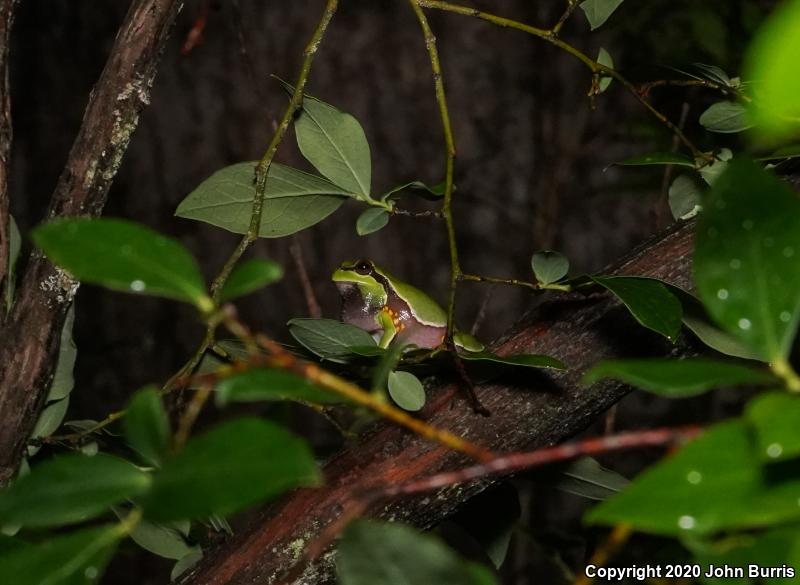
[[388, 308]]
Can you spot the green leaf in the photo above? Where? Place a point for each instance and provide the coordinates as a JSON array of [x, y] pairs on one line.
[[371, 220], [519, 360], [649, 301], [76, 558], [329, 339], [598, 11], [335, 143], [63, 380], [726, 118], [162, 540], [71, 488], [432, 191], [748, 237], [586, 478], [232, 466], [772, 61], [250, 276], [146, 425], [715, 74], [14, 247], [604, 58], [659, 158], [293, 200], [711, 171], [373, 553], [49, 420], [123, 255], [549, 266], [185, 563], [270, 384], [684, 197], [776, 419], [678, 378], [714, 483], [406, 390]]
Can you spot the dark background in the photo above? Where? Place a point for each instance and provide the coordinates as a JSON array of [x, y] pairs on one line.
[[532, 169]]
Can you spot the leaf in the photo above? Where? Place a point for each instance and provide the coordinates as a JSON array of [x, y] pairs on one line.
[[250, 276], [371, 220], [714, 73], [696, 319], [604, 58], [684, 197], [185, 563], [775, 416], [549, 266], [490, 519], [162, 540], [76, 558], [648, 300], [772, 61], [519, 360], [257, 384], [71, 488], [123, 255], [14, 247], [335, 143], [233, 466], [586, 478], [711, 172], [726, 118], [49, 420], [327, 338], [293, 200], [745, 261], [406, 390], [598, 11], [714, 483], [678, 378], [374, 553], [432, 191], [63, 380], [146, 425], [659, 158]]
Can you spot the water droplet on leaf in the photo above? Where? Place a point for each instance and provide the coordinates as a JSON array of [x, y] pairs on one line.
[[774, 450], [722, 294], [138, 285], [744, 324], [687, 522]]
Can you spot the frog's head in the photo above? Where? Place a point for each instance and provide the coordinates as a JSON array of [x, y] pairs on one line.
[[361, 276]]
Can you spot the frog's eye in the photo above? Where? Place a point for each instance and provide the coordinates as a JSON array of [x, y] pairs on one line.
[[363, 267]]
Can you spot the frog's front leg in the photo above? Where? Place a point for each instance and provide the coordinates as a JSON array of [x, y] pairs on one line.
[[386, 320]]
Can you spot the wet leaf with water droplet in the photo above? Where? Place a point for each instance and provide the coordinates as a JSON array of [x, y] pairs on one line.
[[123, 255], [776, 419], [678, 378], [750, 219], [712, 484]]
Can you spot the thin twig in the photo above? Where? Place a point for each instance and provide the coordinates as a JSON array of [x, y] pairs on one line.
[[296, 250], [595, 67], [433, 214], [261, 173], [571, 6], [450, 154], [610, 547]]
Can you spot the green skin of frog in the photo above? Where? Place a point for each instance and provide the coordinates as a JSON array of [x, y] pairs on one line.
[[389, 309]]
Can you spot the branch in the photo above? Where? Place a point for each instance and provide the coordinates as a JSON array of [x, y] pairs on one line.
[[527, 413], [6, 21], [29, 338]]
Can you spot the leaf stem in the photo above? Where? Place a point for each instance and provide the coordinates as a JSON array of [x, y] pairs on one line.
[[784, 370], [515, 282]]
